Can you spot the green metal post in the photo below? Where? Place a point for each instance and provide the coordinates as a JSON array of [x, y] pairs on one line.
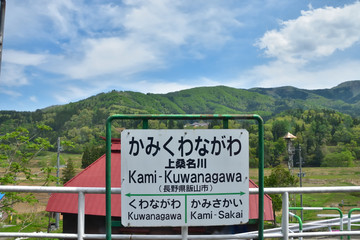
[[226, 123], [261, 175], [145, 123], [300, 222], [323, 208], [349, 219], [108, 178], [341, 217]]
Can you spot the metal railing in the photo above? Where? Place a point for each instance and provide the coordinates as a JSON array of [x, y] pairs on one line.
[[284, 232], [285, 209]]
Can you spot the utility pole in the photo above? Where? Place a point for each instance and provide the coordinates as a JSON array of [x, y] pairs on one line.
[[301, 174], [2, 22], [57, 215]]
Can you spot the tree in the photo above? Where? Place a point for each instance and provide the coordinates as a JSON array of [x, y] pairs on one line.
[[49, 177], [279, 177], [17, 149], [339, 159], [280, 128], [274, 152], [69, 171], [91, 153], [86, 158]]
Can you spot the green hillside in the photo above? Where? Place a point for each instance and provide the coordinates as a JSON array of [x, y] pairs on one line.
[[344, 98], [326, 120]]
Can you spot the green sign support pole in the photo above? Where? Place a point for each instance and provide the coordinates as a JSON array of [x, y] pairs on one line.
[[108, 178], [146, 117], [349, 219], [261, 175]]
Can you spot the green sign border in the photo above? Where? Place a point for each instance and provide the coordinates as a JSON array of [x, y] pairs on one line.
[[145, 120]]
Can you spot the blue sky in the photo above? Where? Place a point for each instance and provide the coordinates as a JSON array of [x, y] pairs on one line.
[[56, 52]]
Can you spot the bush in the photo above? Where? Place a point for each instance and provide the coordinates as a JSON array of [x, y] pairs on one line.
[[279, 177], [338, 159]]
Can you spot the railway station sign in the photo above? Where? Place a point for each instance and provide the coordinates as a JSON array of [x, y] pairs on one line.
[[184, 177]]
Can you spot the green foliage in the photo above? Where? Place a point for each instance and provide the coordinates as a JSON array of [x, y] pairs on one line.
[[318, 132], [274, 152], [280, 128], [29, 222], [92, 153], [68, 172], [279, 177], [17, 149], [309, 114], [49, 177], [339, 159]]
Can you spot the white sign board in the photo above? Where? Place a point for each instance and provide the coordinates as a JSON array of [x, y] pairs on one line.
[[184, 177]]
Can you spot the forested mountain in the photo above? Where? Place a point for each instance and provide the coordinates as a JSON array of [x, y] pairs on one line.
[[344, 98], [265, 101], [308, 113]]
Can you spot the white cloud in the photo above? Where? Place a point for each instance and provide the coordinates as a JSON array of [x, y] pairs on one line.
[[113, 55], [33, 99], [305, 49], [277, 74], [62, 15], [177, 23], [21, 22], [316, 33], [146, 35], [10, 93], [12, 75], [157, 20], [23, 58], [158, 87], [71, 93], [162, 86], [205, 81], [74, 93]]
